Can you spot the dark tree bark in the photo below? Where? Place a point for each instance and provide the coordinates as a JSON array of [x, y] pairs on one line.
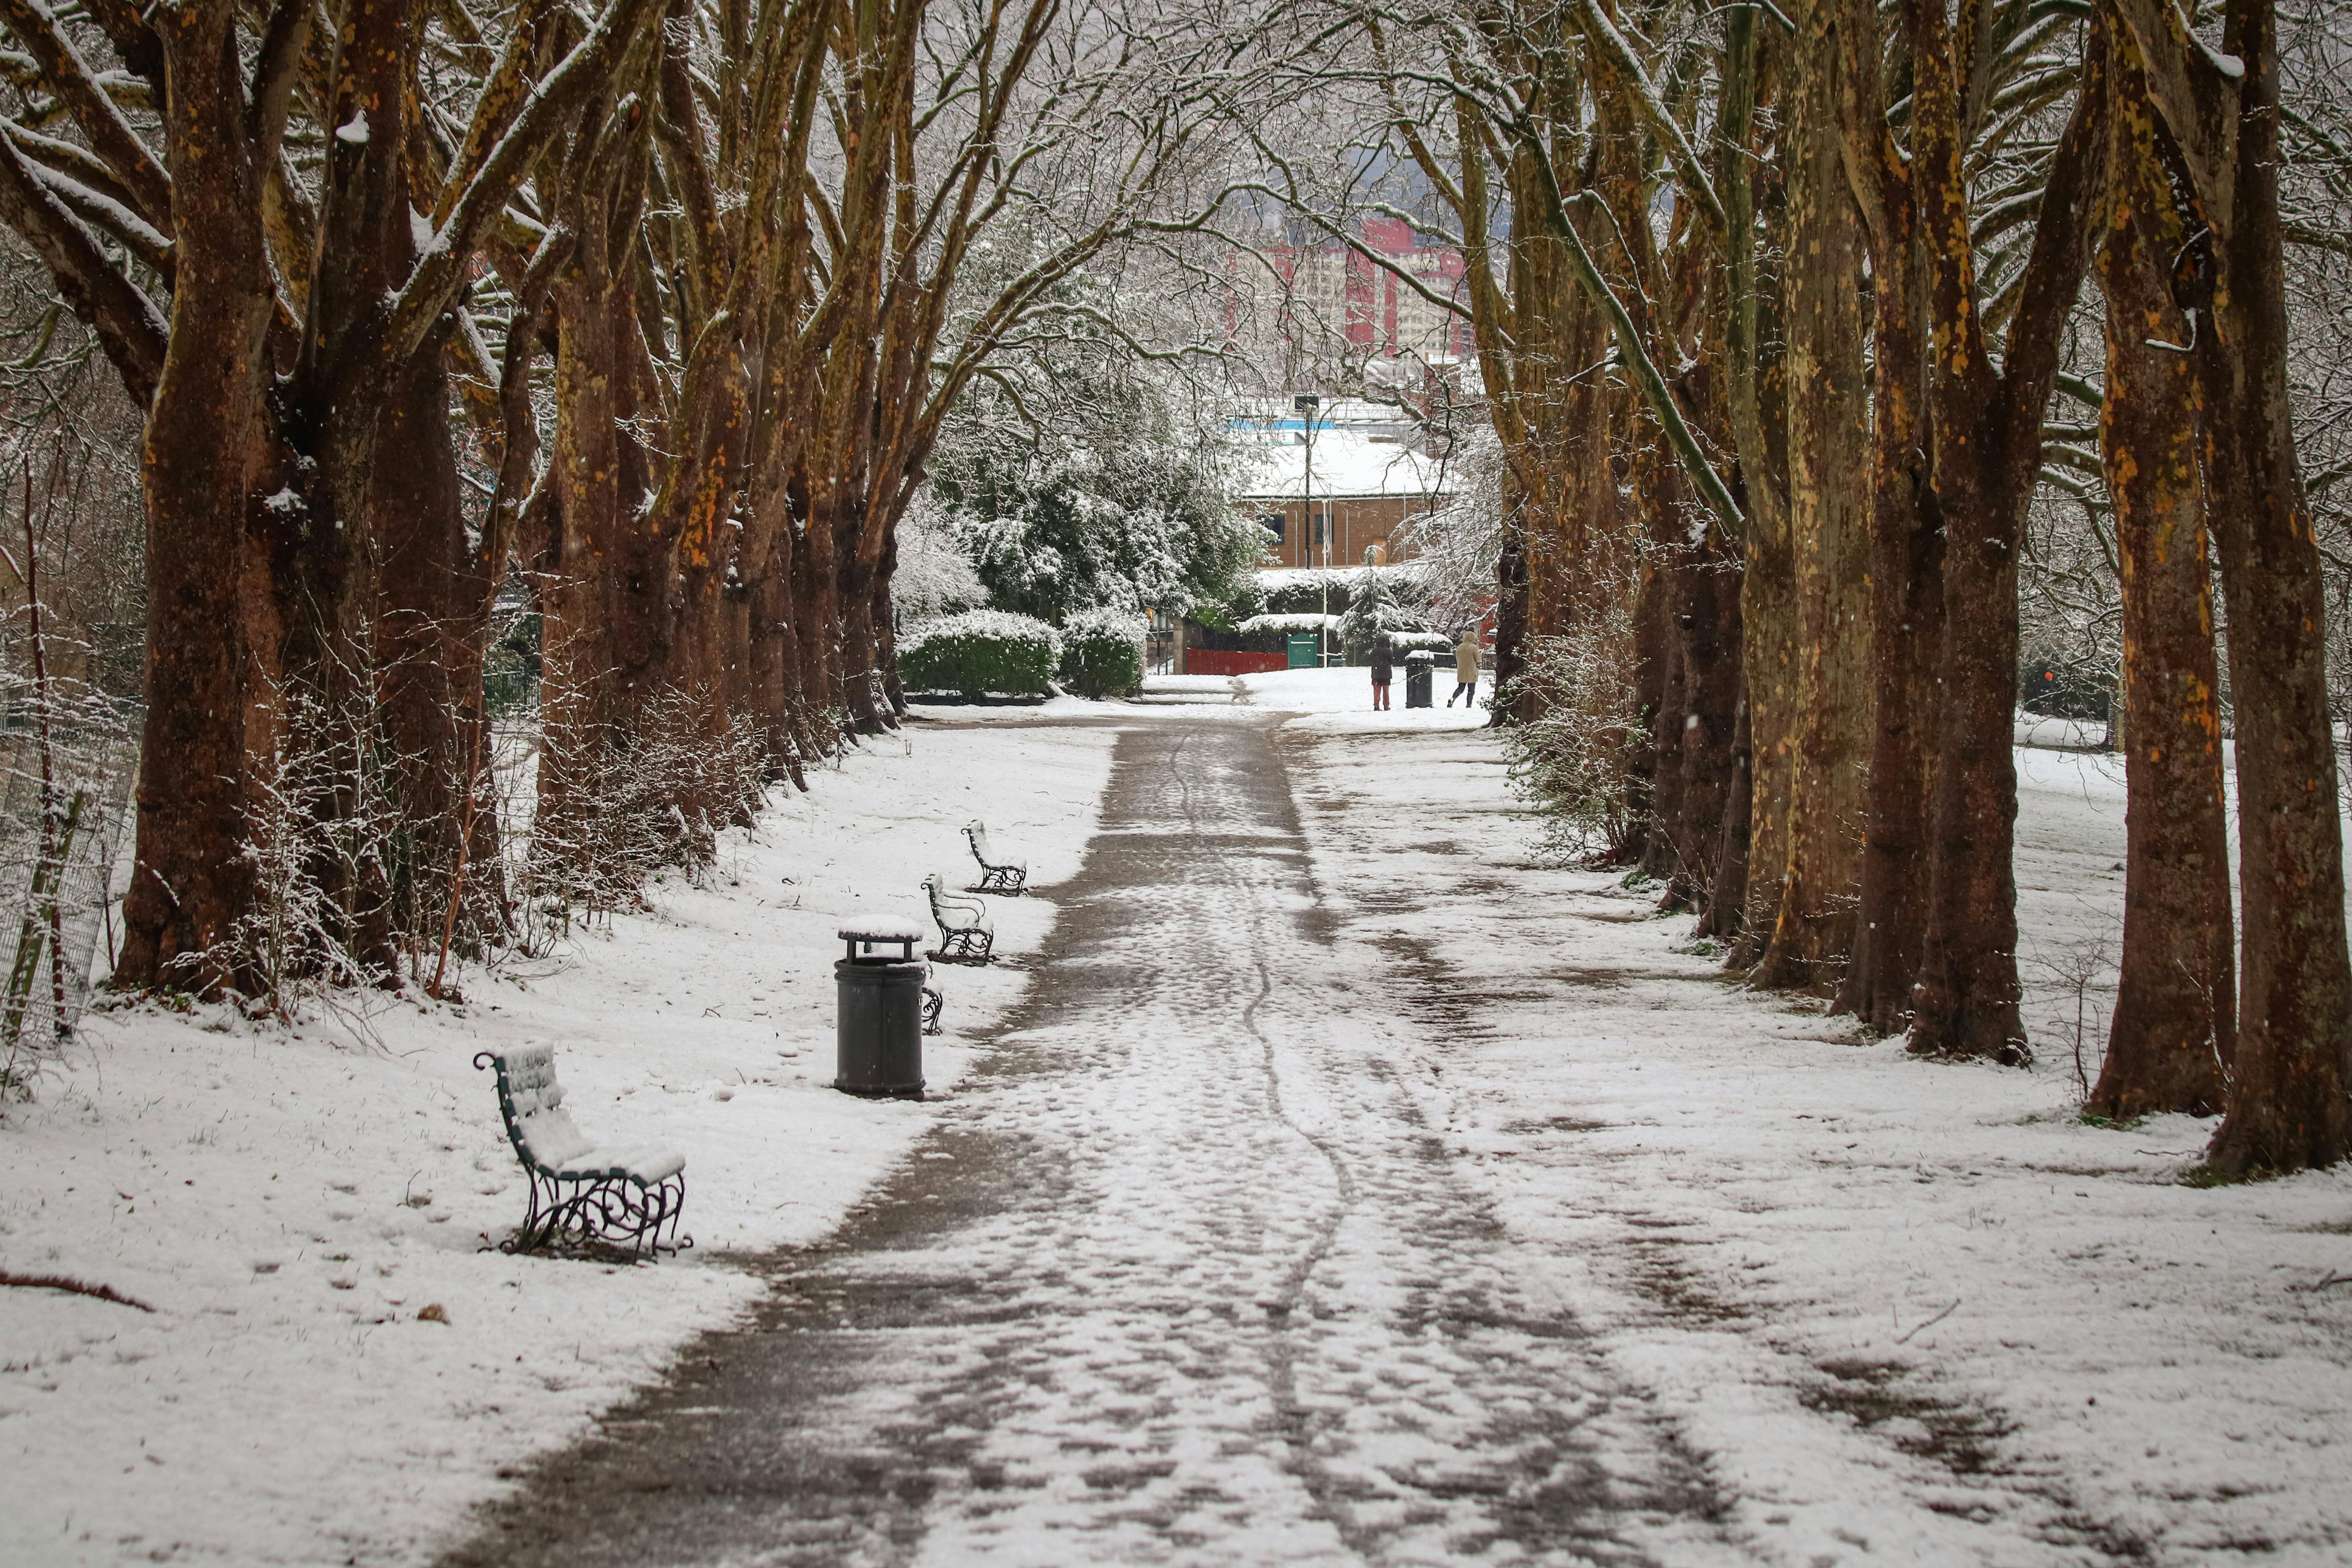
[[1709, 763], [2171, 1041], [1905, 555], [1507, 705], [1827, 724], [1984, 444], [1723, 914], [2291, 1086], [1755, 352], [190, 885], [1660, 677]]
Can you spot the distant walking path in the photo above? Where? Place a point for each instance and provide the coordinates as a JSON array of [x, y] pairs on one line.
[[1182, 1277]]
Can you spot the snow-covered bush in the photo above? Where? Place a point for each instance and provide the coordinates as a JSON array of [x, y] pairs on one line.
[[622, 805], [934, 577], [1573, 760], [1102, 653], [980, 651], [1302, 622], [1378, 608], [1449, 554], [1083, 477]]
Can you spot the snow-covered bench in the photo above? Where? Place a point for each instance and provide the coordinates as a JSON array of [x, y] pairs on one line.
[[995, 877], [966, 933], [583, 1195]]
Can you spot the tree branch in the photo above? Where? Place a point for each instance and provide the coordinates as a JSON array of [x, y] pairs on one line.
[[77, 86], [126, 324]]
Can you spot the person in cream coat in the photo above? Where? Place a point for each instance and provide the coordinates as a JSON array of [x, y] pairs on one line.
[[1465, 669]]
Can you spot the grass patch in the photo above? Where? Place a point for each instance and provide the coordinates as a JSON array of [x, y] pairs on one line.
[[2203, 1175]]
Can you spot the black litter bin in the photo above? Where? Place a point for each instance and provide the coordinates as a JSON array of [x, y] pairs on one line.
[[1417, 666], [879, 1026]]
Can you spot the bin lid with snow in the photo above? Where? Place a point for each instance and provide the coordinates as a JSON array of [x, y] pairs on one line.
[[866, 931]]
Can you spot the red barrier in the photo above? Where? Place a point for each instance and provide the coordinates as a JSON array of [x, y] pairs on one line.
[[1218, 661]]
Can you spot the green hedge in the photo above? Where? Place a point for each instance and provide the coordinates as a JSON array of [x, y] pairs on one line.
[[980, 651], [1102, 653]]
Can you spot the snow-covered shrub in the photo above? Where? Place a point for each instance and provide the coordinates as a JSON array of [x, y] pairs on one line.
[[1449, 554], [1102, 653], [1081, 476], [625, 804], [1574, 759], [66, 761], [980, 651], [1379, 608], [934, 577]]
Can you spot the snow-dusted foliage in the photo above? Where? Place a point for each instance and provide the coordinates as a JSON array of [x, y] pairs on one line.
[[1102, 652], [980, 651], [1572, 761], [66, 765], [1382, 607], [631, 810], [1302, 622], [1086, 479], [1452, 551], [934, 576]]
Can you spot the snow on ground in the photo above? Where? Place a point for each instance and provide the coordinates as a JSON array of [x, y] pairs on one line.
[[1899, 1311], [288, 1206], [1348, 689], [1902, 1310]]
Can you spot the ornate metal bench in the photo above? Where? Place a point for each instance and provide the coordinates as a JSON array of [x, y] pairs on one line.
[[966, 933], [995, 877], [932, 1002], [582, 1195]]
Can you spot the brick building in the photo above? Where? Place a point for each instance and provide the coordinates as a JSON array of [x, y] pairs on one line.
[[1347, 508], [1296, 310]]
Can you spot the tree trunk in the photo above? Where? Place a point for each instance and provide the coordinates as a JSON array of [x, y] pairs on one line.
[[190, 884], [1906, 558], [2291, 1087], [1767, 624], [1658, 662], [1507, 705], [428, 604], [2170, 1043], [772, 664], [1767, 608], [860, 664], [885, 622], [1724, 912], [816, 595], [1984, 450], [596, 610], [1828, 420]]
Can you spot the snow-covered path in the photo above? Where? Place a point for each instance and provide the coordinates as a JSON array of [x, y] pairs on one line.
[[1182, 1277]]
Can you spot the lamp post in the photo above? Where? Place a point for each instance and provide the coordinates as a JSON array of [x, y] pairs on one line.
[[1307, 403]]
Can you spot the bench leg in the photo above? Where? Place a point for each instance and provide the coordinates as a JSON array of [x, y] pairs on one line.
[[538, 1214]]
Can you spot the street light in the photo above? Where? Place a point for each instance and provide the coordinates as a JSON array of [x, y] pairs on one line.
[[1307, 403]]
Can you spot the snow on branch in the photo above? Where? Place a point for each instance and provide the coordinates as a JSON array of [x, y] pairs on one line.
[[78, 87]]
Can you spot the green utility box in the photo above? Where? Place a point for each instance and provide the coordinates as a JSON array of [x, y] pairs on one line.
[[1306, 651]]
